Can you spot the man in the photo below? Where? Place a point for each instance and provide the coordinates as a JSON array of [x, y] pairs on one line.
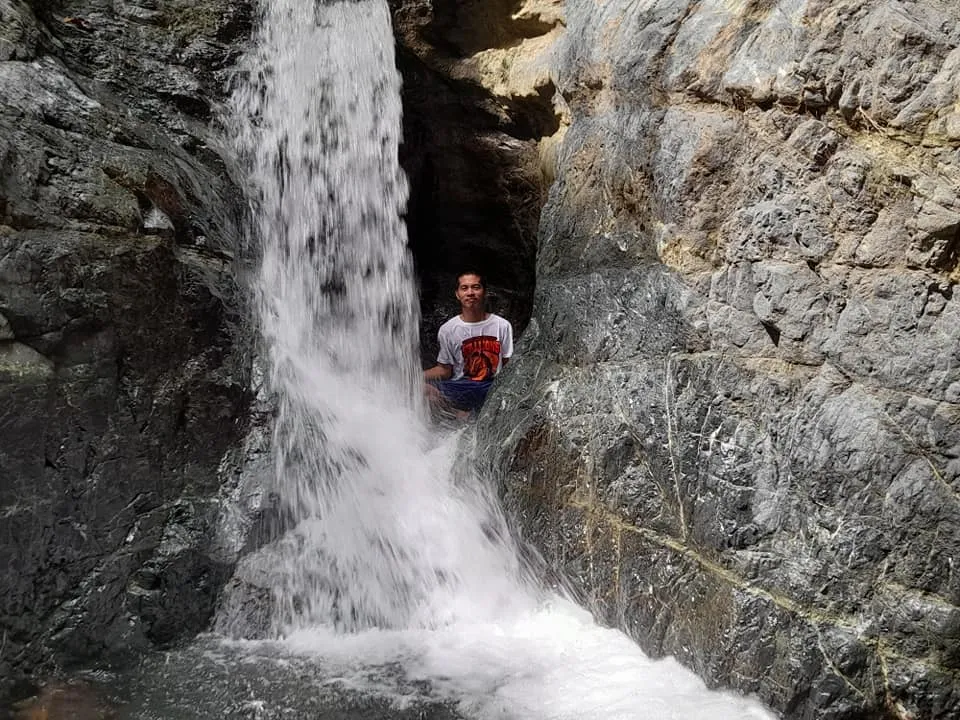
[[474, 346]]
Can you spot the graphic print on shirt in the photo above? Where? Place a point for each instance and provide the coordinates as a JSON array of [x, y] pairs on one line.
[[481, 357]]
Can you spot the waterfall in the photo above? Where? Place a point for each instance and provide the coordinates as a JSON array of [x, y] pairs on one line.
[[375, 528], [393, 570]]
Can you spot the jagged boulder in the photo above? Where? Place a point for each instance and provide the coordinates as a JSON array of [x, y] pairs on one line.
[[123, 356], [734, 421]]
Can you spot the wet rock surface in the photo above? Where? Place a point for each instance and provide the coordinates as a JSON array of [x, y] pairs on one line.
[[733, 421], [213, 679], [123, 353]]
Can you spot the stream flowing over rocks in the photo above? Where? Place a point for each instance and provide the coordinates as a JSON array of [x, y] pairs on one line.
[[730, 230]]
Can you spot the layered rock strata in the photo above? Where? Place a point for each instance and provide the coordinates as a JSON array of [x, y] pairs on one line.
[[734, 422], [123, 375]]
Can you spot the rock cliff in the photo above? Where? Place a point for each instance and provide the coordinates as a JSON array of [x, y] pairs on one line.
[[733, 423], [123, 373]]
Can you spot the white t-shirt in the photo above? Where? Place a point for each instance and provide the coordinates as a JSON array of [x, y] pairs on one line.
[[475, 349]]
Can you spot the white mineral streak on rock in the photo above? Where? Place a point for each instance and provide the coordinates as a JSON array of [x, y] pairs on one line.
[[6, 332], [21, 361]]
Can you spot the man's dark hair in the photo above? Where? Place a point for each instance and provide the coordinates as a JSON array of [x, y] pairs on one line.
[[483, 282]]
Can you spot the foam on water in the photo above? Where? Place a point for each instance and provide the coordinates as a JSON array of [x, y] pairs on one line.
[[391, 553], [377, 535], [547, 663]]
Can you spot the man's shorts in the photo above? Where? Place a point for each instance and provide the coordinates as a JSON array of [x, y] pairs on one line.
[[464, 394]]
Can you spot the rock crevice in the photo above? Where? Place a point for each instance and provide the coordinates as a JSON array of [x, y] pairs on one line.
[[481, 122]]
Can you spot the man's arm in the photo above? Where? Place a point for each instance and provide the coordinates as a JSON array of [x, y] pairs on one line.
[[438, 372], [506, 343]]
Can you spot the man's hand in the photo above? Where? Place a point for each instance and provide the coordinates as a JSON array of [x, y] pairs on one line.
[[438, 372]]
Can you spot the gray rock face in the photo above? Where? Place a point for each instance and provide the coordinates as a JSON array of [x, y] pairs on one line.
[[734, 422], [123, 369]]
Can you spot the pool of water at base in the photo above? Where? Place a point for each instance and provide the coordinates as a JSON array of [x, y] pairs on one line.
[[214, 678], [547, 662]]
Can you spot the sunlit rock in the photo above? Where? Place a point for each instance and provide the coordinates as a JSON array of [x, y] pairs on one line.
[[733, 419]]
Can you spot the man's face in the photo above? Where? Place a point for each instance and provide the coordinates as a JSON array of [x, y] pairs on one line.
[[470, 291]]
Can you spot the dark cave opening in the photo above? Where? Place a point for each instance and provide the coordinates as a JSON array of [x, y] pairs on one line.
[[476, 192]]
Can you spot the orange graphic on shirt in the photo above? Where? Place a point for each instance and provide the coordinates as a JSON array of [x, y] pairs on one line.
[[481, 357]]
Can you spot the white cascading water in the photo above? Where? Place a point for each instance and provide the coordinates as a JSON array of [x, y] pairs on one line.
[[391, 555], [375, 534]]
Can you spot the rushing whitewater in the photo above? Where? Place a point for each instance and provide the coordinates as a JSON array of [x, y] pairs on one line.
[[375, 534], [393, 560]]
